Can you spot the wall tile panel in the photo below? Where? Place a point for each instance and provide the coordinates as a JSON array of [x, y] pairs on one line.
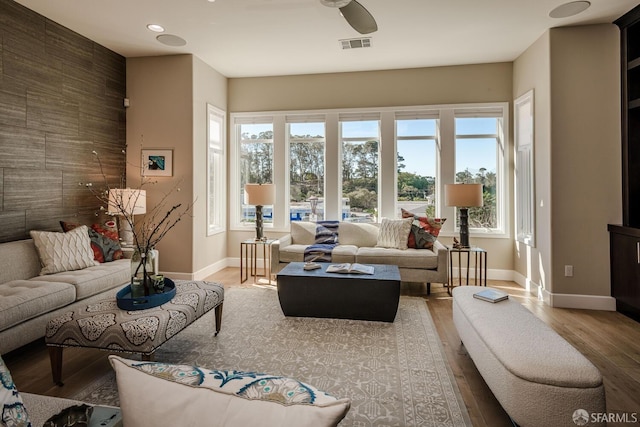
[[69, 153], [13, 226], [21, 148], [13, 104], [32, 189], [52, 113], [61, 99], [74, 50]]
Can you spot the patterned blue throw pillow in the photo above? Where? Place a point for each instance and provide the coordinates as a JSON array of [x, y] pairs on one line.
[[14, 414], [185, 395]]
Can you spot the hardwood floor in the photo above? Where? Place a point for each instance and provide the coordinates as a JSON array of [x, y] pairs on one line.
[[610, 340]]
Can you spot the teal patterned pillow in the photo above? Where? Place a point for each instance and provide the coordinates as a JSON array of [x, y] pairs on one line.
[[251, 385], [188, 395], [14, 414]]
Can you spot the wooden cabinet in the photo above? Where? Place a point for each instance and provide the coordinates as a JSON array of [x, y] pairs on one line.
[[625, 239], [630, 67], [625, 269]]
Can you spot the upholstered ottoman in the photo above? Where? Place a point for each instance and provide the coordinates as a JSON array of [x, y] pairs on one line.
[[104, 326], [536, 375]]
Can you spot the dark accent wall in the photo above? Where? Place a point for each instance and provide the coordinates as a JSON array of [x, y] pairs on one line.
[[61, 98]]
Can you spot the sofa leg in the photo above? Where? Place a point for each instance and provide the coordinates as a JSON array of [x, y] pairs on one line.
[[428, 288]]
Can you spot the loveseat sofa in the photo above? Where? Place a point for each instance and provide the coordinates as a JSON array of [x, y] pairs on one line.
[[357, 243], [28, 299]]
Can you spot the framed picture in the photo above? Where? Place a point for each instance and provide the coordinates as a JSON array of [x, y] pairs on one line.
[[157, 162]]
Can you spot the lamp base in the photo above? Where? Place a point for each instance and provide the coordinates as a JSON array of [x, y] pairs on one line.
[[464, 228], [126, 233], [259, 229]]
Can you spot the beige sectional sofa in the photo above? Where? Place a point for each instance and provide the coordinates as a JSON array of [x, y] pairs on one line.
[[357, 243], [28, 300]]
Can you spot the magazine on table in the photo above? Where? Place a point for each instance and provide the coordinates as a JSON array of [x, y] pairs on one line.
[[354, 268], [491, 295]]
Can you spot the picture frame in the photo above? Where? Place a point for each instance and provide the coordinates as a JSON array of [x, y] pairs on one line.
[[157, 162]]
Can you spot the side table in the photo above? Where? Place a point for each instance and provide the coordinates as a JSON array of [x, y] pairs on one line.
[[249, 259], [480, 265]]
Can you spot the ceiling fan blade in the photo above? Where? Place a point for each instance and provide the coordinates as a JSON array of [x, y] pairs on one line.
[[359, 18]]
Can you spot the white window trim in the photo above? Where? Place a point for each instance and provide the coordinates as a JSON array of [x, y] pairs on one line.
[[217, 219], [445, 163], [524, 141]]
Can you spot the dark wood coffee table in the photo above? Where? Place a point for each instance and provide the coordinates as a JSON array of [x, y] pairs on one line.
[[316, 293]]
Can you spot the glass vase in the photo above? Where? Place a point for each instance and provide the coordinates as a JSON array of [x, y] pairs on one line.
[[143, 272]]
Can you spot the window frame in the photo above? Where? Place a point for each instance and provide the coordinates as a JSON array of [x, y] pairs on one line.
[[387, 175], [216, 159], [502, 155], [524, 170]]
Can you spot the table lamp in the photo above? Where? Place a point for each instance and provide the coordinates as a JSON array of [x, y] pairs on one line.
[[259, 195], [127, 202], [463, 196]]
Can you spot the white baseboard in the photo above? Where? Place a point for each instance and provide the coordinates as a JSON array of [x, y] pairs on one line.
[[579, 301], [587, 302], [200, 274]]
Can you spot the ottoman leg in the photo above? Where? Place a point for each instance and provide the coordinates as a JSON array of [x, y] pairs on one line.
[[55, 356], [218, 318]]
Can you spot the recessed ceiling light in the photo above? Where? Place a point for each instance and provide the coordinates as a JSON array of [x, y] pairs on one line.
[[569, 9], [156, 28], [171, 40]]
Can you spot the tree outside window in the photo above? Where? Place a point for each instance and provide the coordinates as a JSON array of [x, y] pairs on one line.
[[306, 171], [416, 163], [360, 160], [477, 142], [256, 164]]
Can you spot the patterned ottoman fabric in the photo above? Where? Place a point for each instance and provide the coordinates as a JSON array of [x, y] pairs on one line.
[[103, 325]]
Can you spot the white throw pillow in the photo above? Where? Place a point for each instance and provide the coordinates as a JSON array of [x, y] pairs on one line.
[[394, 233], [64, 251], [160, 394], [12, 410]]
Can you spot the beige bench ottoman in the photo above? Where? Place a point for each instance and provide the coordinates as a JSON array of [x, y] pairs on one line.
[[104, 326], [536, 375]]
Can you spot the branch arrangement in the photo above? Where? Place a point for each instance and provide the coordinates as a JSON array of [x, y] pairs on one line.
[[154, 225]]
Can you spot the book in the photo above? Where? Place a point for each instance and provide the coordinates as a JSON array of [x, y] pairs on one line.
[[491, 295], [354, 268]]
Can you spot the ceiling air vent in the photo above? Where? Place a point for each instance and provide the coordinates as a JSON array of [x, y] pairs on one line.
[[355, 43]]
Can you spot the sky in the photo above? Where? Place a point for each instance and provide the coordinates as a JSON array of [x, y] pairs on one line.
[[419, 154]]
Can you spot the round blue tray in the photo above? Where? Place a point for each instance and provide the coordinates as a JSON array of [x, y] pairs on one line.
[[127, 302]]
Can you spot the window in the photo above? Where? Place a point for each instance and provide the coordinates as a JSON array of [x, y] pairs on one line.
[[306, 170], [256, 164], [360, 140], [216, 171], [416, 165], [365, 164], [525, 205], [478, 149]]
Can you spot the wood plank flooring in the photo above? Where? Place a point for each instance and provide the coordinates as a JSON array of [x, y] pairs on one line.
[[610, 340]]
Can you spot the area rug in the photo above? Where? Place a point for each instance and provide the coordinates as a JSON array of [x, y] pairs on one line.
[[395, 374]]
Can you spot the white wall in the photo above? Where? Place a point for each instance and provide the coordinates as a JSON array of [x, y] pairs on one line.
[[575, 74], [168, 96], [209, 87]]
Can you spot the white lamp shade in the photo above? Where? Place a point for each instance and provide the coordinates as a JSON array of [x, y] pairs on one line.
[[259, 194], [128, 201], [463, 195]]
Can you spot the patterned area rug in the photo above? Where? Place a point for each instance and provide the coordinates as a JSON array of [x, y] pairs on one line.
[[395, 374]]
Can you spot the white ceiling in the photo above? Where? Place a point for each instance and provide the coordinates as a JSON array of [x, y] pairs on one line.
[[243, 38]]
